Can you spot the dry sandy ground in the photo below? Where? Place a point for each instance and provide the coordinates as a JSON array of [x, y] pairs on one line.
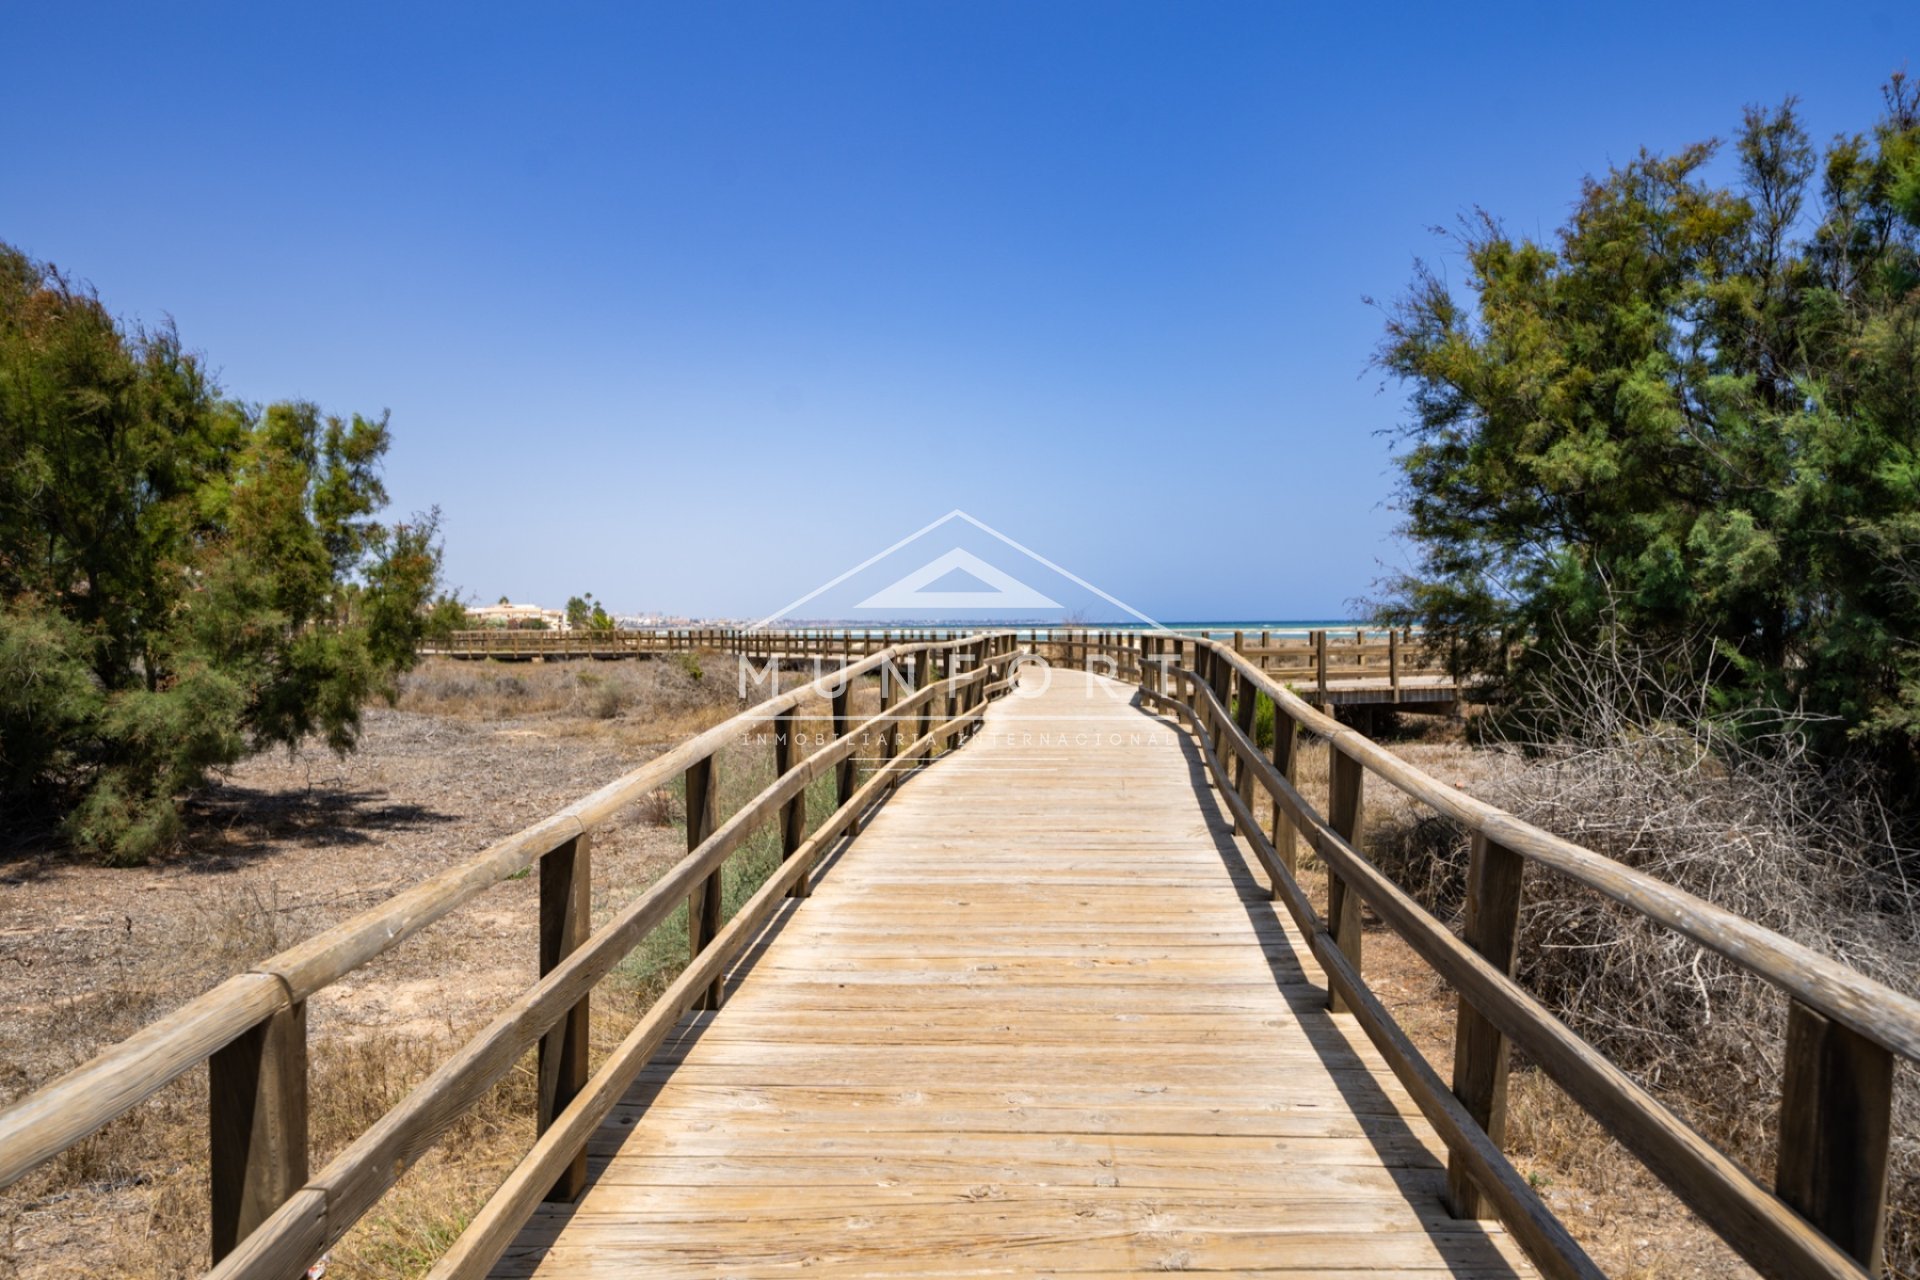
[[289, 845], [284, 847]]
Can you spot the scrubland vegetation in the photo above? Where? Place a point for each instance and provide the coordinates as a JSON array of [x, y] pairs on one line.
[[1661, 470], [286, 845], [185, 579]]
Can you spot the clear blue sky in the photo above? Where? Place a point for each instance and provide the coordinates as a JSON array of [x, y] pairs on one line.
[[695, 305]]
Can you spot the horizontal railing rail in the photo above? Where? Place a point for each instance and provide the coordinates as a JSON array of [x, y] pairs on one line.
[[1316, 659], [270, 1219], [1824, 1215]]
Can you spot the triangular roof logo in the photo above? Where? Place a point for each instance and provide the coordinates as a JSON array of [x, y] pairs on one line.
[[930, 587], [957, 579]]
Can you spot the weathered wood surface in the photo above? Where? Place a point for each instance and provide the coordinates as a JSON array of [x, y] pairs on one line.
[[1040, 1016]]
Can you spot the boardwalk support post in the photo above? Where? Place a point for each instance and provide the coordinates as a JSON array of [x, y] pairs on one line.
[[889, 726], [1343, 815], [1836, 1126], [257, 1124], [924, 676], [566, 921], [1286, 739], [1245, 704], [1492, 928], [704, 907], [951, 660], [844, 775], [793, 814]]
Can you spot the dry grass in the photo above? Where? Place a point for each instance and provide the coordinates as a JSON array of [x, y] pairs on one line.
[[290, 846], [132, 1199], [661, 698]]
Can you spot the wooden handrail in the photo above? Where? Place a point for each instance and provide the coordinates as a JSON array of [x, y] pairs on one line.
[[302, 1220], [1539, 1232], [1317, 657], [1825, 1216], [493, 1228], [1871, 1008]]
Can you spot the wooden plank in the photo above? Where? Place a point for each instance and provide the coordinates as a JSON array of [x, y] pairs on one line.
[[566, 920], [793, 814], [705, 905], [1480, 1052], [1836, 1123], [842, 718], [1286, 738], [1344, 797], [1763, 1230], [257, 1125], [1546, 1240], [1041, 972]]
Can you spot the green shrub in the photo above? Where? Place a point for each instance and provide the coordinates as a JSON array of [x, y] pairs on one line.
[[184, 578], [1692, 413]]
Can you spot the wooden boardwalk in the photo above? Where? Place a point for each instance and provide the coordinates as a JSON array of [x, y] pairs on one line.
[[1038, 1018]]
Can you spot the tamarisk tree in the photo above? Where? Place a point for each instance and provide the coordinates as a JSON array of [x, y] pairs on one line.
[[184, 579], [1695, 411]]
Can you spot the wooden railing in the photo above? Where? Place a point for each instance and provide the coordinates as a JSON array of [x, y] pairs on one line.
[[1825, 1212], [1823, 1216], [1310, 662], [271, 1218], [497, 642]]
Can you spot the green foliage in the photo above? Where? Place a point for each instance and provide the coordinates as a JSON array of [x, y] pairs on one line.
[[445, 616], [584, 613], [1262, 721], [183, 578], [1694, 413]]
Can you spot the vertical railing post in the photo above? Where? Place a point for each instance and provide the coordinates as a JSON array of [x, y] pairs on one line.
[[1286, 738], [888, 742], [899, 730], [1344, 802], [1245, 707], [976, 686], [953, 658], [793, 814], [705, 904], [1393, 663], [1492, 928], [1220, 676], [923, 679], [1836, 1130], [1320, 665], [566, 921], [844, 773], [257, 1124], [1189, 687]]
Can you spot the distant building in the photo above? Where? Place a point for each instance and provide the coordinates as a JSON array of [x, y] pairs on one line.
[[522, 617]]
